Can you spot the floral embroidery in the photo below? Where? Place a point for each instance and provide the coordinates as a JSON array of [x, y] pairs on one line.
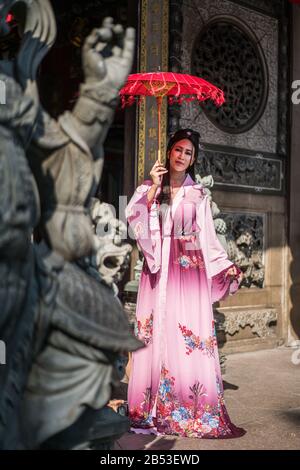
[[193, 417], [166, 385], [187, 262], [141, 416], [129, 212], [187, 238], [143, 188], [198, 390], [192, 342], [144, 329], [139, 229]]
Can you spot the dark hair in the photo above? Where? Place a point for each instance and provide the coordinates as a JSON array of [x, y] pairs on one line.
[[194, 137]]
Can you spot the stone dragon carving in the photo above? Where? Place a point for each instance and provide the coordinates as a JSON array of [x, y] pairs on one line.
[[219, 223], [112, 257]]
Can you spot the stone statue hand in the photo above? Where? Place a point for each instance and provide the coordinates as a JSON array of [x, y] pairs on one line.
[[107, 54]]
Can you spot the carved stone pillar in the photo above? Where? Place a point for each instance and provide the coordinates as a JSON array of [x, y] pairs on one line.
[[153, 57]]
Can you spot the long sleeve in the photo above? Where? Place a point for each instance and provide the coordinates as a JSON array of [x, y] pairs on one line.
[[145, 226], [215, 257]]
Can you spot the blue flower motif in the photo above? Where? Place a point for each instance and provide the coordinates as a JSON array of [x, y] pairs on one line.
[[190, 342], [184, 261], [181, 414], [213, 422], [176, 416], [206, 417], [184, 413], [148, 420], [164, 388]]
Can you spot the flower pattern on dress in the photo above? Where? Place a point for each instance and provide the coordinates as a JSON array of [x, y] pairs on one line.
[[187, 262], [166, 385], [143, 188], [193, 417], [192, 342], [144, 329], [139, 229], [187, 238], [141, 416], [198, 390]]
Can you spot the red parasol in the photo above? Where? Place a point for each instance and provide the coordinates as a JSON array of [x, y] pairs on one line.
[[177, 86]]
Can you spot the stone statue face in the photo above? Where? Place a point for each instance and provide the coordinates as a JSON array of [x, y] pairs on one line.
[[5, 6], [18, 8], [37, 29]]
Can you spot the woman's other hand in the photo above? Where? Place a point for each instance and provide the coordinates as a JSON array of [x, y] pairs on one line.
[[234, 273]]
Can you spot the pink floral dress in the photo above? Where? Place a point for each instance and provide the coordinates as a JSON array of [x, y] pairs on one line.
[[175, 386]]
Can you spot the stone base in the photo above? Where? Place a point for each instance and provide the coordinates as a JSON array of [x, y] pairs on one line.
[[93, 430]]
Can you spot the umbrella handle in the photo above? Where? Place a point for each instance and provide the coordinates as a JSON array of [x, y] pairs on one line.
[[159, 103]]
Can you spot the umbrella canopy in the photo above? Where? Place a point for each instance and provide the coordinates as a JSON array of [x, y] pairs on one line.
[[177, 86], [172, 84]]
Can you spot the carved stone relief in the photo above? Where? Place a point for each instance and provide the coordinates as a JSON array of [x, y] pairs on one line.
[[226, 55], [233, 169], [273, 8], [258, 320], [245, 246], [112, 256]]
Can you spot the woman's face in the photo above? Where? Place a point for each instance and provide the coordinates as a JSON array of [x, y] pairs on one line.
[[181, 155]]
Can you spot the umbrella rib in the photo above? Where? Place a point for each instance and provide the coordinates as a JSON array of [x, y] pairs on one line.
[[195, 91], [178, 85]]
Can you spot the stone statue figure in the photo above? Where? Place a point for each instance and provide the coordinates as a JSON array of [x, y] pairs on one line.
[[219, 223], [112, 257], [63, 327]]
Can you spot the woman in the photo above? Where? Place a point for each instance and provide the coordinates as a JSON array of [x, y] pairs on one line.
[[175, 385]]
